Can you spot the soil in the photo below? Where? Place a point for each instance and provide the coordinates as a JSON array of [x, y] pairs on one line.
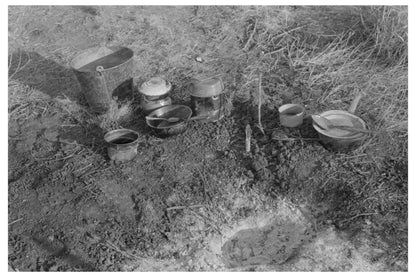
[[195, 201]]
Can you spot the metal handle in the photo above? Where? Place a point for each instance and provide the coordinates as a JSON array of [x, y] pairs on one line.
[[354, 103], [100, 71], [222, 85]]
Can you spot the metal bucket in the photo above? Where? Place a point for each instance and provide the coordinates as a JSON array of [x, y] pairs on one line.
[[122, 144], [104, 73]]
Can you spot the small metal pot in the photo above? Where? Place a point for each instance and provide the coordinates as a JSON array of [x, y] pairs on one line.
[[122, 144], [165, 128], [291, 115], [155, 94]]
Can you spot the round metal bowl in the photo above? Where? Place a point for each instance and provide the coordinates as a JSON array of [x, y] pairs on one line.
[[165, 128], [337, 139]]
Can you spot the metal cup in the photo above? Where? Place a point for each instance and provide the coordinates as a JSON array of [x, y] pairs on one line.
[[291, 115]]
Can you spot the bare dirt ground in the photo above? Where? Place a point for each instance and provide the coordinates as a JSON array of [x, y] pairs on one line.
[[197, 201]]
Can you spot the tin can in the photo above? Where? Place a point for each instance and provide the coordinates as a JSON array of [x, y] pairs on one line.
[[207, 98], [291, 115], [122, 144]]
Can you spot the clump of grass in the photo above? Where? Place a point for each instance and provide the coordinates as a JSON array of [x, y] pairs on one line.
[[387, 28], [26, 103], [23, 59], [116, 116]]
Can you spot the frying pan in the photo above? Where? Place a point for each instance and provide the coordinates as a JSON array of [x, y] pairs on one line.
[[339, 139]]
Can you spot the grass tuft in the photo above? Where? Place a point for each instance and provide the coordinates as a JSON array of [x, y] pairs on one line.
[[387, 27], [116, 116]]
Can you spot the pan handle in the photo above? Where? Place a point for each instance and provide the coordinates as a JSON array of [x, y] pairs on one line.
[[354, 103]]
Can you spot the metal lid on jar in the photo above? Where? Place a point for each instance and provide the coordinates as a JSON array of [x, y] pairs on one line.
[[206, 87], [155, 86]]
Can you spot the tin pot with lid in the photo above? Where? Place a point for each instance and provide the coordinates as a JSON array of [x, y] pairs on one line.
[[207, 98], [155, 94]]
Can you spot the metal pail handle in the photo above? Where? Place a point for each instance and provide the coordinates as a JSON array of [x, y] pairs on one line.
[[100, 70]]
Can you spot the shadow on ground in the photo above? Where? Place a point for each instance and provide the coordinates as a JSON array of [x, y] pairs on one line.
[[90, 136], [53, 79]]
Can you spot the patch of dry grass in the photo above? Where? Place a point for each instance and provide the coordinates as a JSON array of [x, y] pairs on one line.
[[333, 72], [387, 26], [116, 116], [26, 103]]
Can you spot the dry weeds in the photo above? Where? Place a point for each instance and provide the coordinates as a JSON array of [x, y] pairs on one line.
[[116, 116]]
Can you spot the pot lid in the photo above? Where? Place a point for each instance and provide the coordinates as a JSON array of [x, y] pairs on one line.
[[206, 87], [155, 86]]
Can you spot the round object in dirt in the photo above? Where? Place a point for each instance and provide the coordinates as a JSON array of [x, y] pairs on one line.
[[338, 139], [291, 115], [165, 127], [272, 244], [104, 73], [155, 94], [122, 144], [207, 98]]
